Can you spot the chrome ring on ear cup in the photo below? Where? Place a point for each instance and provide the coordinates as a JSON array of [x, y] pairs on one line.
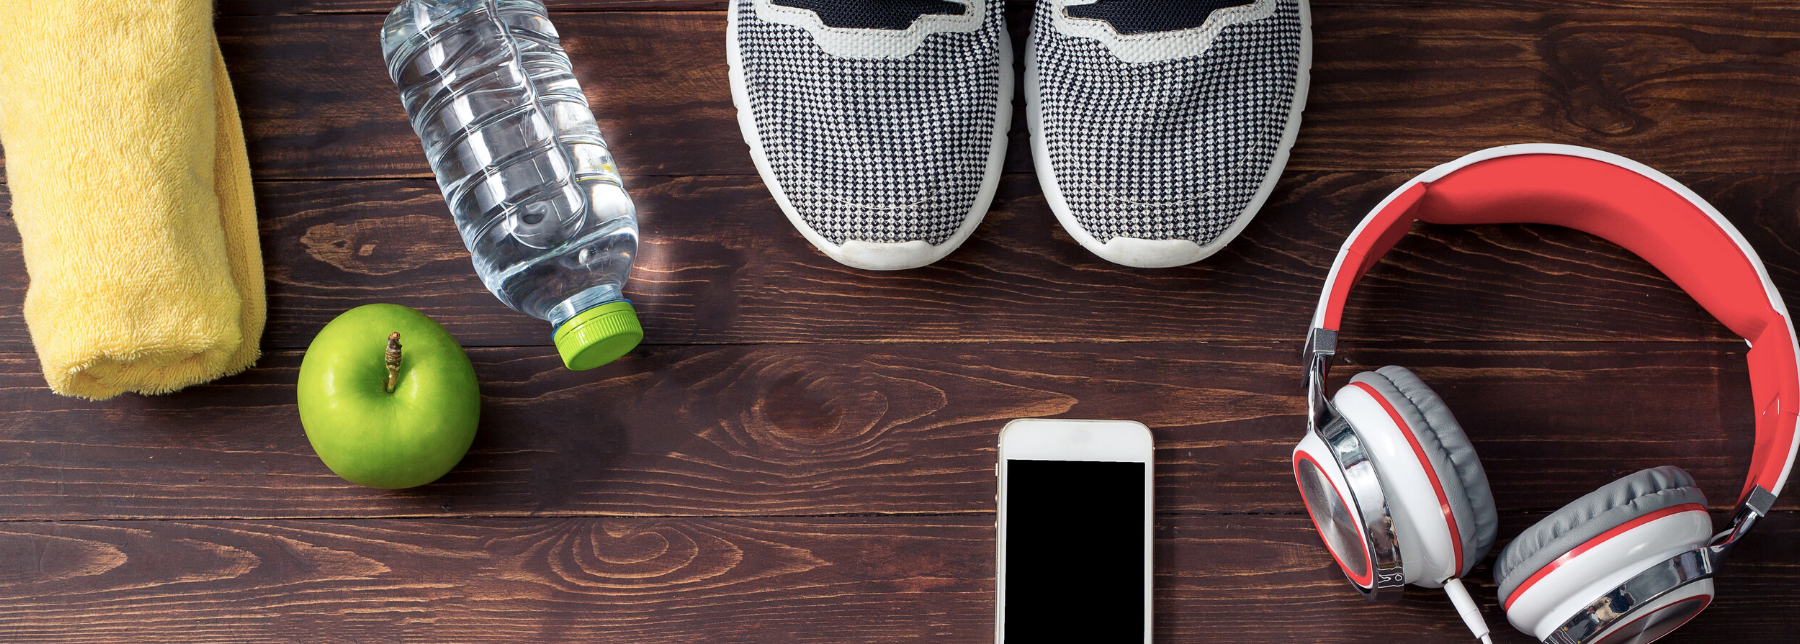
[[1367, 505], [1625, 605], [1330, 442]]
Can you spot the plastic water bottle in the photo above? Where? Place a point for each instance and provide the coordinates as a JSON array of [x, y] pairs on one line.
[[522, 165]]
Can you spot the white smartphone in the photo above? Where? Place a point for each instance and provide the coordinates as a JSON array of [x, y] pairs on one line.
[[1074, 532]]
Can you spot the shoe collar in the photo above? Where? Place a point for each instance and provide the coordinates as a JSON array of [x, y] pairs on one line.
[[874, 43], [1159, 46]]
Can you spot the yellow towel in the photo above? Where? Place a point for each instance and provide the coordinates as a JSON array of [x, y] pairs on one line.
[[131, 191]]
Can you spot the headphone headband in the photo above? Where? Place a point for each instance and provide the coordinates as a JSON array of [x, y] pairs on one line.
[[1631, 205]]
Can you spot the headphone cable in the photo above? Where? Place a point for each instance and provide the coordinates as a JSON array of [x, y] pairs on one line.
[[1467, 608]]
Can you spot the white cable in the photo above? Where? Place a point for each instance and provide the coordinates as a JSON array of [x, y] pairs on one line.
[[1467, 608]]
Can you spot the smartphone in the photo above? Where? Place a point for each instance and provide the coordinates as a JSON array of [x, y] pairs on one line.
[[1074, 531]]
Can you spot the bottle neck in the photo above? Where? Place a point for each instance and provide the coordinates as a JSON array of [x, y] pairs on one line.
[[590, 298]]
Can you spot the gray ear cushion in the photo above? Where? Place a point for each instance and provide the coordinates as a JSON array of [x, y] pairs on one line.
[[1452, 457], [1611, 506]]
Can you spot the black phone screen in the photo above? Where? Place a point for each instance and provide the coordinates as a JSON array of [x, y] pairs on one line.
[[1074, 552]]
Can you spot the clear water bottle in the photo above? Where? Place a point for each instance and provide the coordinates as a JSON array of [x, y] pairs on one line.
[[533, 189]]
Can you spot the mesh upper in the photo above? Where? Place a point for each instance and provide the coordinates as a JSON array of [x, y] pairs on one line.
[[1173, 149], [879, 150]]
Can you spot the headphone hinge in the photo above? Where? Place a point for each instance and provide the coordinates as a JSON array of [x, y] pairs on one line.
[[1321, 346], [1755, 506]]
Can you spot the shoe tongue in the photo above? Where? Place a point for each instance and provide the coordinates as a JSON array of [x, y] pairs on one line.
[[1130, 17], [874, 14]]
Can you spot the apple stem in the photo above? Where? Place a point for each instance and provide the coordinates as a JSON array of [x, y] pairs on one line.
[[393, 360]]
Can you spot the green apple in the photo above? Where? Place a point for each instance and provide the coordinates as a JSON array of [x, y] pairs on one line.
[[388, 435]]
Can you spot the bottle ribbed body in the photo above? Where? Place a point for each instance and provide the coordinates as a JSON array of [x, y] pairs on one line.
[[522, 165]]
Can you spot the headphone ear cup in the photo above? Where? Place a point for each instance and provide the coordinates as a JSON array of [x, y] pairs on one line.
[[1585, 528], [1448, 455]]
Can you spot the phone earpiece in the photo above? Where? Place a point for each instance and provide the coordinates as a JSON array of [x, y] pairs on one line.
[[1587, 548], [1442, 508]]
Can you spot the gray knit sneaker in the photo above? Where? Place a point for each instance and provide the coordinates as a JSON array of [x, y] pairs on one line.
[[879, 125], [1159, 127]]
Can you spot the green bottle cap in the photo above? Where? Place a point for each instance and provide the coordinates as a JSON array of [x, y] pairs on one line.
[[598, 336]]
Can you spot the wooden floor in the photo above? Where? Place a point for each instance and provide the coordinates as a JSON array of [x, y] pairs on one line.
[[803, 452]]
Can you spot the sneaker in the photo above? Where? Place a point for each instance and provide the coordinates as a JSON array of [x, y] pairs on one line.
[[879, 125], [1159, 127]]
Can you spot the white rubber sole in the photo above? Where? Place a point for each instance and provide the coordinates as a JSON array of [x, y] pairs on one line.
[[875, 256], [1161, 253]]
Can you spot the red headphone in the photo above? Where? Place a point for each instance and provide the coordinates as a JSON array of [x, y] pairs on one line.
[[1395, 488]]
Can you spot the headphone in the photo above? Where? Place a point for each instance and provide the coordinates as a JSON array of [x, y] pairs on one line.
[[1395, 489]]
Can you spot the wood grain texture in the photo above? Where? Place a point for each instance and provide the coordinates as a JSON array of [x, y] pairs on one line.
[[863, 579], [866, 429], [317, 101], [1393, 88], [719, 264]]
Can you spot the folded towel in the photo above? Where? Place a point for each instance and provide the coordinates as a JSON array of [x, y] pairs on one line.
[[131, 191]]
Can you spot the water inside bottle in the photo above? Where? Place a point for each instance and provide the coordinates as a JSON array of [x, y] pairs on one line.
[[522, 165]]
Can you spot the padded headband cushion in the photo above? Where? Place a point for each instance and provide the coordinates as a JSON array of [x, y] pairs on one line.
[[1452, 457], [1628, 204], [1611, 506]]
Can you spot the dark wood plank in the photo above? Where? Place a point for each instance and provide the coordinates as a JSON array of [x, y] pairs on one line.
[[1218, 578], [859, 429], [1671, 92], [719, 264], [813, 580], [317, 102], [1394, 88]]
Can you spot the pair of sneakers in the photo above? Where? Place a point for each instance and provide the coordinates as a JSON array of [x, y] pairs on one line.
[[1159, 127]]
